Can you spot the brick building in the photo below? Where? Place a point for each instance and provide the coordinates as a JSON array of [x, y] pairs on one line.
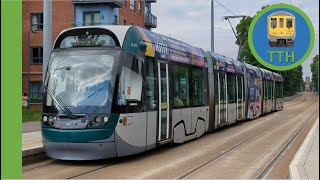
[[67, 14]]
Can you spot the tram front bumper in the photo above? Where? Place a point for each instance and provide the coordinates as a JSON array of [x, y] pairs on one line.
[[79, 151]]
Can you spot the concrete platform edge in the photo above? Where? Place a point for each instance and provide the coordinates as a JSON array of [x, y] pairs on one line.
[[31, 152], [296, 167]]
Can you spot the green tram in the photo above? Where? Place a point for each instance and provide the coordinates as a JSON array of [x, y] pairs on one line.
[[113, 91]]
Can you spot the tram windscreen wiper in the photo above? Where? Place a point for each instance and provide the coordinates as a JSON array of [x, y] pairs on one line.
[[60, 103]]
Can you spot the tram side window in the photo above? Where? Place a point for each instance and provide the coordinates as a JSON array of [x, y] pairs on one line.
[[265, 89], [181, 86], [130, 84], [198, 87], [216, 90], [151, 85], [279, 90], [273, 89], [269, 89], [232, 93], [276, 90], [240, 86]]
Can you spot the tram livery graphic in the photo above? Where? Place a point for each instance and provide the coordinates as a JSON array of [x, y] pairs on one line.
[[113, 91], [281, 29]]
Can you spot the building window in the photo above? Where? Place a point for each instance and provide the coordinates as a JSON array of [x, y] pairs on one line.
[[132, 4], [91, 18], [146, 10], [124, 22], [115, 19], [35, 91], [37, 21], [139, 7], [37, 55]]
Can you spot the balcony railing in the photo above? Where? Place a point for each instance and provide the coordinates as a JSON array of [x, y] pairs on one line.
[[153, 1], [77, 24], [110, 2], [150, 20]]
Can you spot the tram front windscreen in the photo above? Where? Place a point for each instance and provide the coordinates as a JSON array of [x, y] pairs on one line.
[[82, 81]]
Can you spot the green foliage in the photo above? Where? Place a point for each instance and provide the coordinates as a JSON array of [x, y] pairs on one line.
[[31, 115], [315, 72], [293, 81]]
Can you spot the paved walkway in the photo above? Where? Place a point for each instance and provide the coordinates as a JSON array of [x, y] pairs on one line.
[[305, 164], [31, 126], [31, 143]]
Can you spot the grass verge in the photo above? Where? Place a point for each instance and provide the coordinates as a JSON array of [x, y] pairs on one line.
[[31, 115]]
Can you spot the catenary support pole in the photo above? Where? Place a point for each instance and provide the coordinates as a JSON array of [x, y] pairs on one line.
[[212, 25], [47, 33]]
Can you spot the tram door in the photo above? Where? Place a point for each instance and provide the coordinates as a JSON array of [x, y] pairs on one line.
[[222, 97], [163, 115]]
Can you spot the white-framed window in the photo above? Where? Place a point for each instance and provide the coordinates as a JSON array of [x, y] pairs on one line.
[[37, 21], [139, 7], [37, 55], [35, 91], [132, 5], [91, 18]]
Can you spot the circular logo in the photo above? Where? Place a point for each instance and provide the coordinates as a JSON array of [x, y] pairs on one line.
[[281, 37]]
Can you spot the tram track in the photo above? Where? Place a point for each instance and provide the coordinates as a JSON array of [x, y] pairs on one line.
[[78, 175], [270, 166], [93, 169], [294, 101]]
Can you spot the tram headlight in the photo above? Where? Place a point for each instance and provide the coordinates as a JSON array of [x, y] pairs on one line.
[[97, 119], [54, 120], [45, 118], [50, 119], [105, 119]]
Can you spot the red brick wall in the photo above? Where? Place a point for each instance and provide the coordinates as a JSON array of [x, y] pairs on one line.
[[62, 18], [132, 17]]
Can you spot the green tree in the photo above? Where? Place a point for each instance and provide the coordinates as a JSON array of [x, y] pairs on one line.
[[293, 81], [242, 40], [315, 73]]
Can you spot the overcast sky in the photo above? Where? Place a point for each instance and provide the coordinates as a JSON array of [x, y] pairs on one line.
[[189, 21]]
